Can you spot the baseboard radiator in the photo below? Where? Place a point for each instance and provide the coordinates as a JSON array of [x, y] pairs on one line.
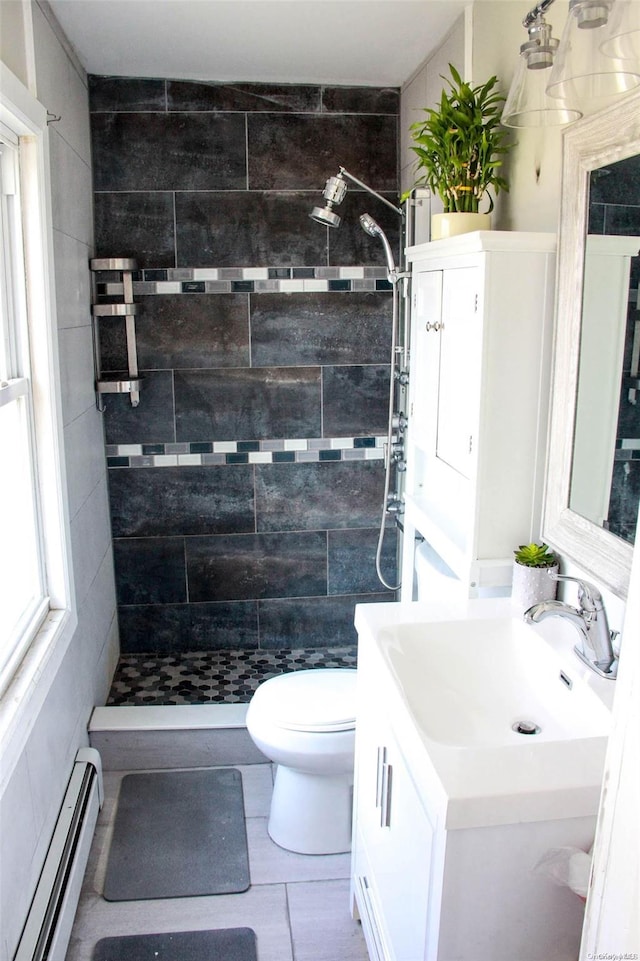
[[45, 936]]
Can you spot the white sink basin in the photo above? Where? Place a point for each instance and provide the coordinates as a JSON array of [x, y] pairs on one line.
[[454, 680], [468, 683]]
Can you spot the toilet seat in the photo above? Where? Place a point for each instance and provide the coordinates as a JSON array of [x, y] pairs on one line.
[[315, 701]]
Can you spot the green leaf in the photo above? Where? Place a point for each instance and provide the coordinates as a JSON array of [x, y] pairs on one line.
[[535, 555], [461, 143]]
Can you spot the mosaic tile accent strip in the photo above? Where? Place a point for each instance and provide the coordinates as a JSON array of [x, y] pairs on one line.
[[227, 677], [226, 280], [215, 453]]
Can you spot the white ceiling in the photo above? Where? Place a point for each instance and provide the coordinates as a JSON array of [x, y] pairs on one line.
[[359, 42]]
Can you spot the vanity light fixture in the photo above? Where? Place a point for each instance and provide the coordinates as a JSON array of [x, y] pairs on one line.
[[582, 73], [597, 59], [528, 103], [622, 36]]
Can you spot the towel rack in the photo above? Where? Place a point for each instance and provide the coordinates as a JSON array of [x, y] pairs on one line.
[[131, 384]]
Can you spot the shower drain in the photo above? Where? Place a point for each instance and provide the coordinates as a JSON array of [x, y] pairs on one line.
[[526, 727]]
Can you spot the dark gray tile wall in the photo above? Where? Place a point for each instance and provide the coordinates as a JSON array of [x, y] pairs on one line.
[[323, 329], [210, 175]]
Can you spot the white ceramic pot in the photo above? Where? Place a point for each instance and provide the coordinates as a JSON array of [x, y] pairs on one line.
[[450, 225], [531, 585]]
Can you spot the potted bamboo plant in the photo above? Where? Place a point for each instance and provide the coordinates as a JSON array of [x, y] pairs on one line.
[[534, 567], [460, 148]]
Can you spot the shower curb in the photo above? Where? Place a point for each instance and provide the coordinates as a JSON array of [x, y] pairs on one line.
[[170, 736]]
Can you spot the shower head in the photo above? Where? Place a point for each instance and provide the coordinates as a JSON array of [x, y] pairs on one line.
[[325, 216], [374, 229], [334, 191]]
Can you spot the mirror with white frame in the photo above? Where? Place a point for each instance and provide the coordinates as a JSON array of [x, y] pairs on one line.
[[594, 349]]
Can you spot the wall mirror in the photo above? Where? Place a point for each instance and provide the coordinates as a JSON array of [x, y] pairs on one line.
[[594, 453]]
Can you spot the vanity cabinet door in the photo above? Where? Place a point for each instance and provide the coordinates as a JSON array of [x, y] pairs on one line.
[[446, 365], [459, 369], [444, 406], [393, 841]]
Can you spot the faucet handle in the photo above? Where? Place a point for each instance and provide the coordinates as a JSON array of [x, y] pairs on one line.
[[589, 597]]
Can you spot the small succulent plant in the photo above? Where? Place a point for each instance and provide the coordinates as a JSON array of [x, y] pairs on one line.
[[535, 555]]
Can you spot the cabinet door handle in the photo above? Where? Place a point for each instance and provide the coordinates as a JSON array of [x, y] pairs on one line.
[[385, 806], [382, 759], [436, 326]]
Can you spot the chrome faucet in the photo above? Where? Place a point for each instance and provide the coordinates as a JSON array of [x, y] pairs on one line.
[[589, 619]]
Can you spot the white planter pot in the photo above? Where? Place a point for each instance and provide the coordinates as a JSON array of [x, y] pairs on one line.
[[450, 225], [531, 585]]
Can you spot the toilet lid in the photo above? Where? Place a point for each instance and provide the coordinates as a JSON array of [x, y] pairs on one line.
[[316, 700]]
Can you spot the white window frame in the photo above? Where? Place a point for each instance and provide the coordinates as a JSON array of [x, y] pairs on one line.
[[27, 688], [16, 393]]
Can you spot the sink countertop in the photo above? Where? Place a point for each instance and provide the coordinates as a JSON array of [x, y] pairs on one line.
[[468, 786]]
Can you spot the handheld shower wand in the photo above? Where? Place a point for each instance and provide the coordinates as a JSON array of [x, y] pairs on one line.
[[374, 229]]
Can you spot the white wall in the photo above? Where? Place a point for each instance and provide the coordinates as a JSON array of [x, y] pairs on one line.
[[422, 90], [32, 796], [14, 40]]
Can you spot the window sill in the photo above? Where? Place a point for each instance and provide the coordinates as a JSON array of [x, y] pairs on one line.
[[23, 699]]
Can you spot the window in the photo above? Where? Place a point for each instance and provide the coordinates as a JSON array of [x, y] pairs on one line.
[[37, 607], [24, 601]]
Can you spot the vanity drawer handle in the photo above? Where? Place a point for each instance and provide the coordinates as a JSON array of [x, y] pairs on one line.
[[385, 806]]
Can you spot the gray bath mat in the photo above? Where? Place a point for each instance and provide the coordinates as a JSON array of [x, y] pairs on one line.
[[231, 944], [178, 834]]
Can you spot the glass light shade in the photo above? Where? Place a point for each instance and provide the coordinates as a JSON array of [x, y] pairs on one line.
[[528, 104], [582, 74], [622, 33]]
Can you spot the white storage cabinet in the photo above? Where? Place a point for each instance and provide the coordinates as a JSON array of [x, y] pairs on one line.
[[481, 326]]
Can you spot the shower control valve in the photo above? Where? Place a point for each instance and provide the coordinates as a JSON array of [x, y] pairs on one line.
[[402, 376], [399, 421]]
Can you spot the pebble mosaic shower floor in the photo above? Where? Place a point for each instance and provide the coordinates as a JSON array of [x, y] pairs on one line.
[[205, 677]]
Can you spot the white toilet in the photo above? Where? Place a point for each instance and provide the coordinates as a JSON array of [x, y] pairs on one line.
[[305, 722]]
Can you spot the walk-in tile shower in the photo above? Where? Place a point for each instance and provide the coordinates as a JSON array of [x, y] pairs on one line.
[[246, 487]]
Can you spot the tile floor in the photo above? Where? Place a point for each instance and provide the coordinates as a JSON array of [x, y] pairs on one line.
[[203, 677], [298, 905]]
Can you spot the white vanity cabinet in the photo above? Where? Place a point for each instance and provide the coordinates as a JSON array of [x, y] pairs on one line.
[[481, 325], [392, 843], [447, 839]]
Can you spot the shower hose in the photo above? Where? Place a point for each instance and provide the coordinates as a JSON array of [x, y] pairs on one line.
[[393, 277]]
